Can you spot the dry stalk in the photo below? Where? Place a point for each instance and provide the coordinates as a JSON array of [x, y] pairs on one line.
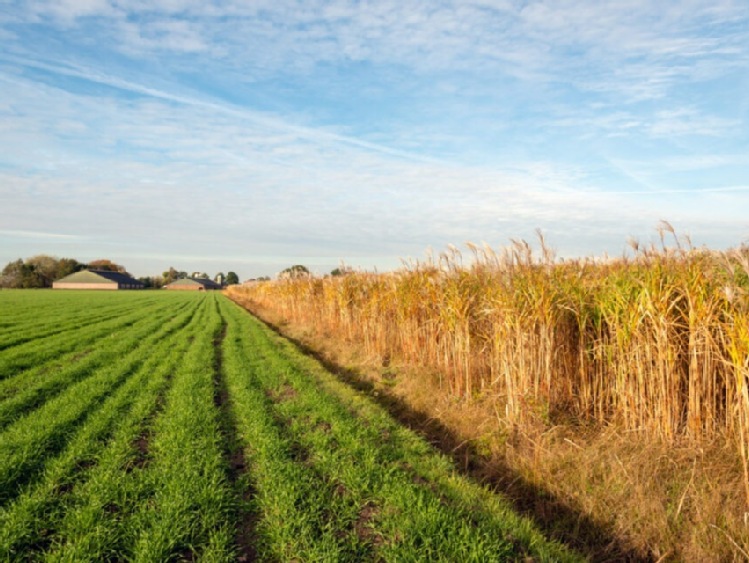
[[657, 343]]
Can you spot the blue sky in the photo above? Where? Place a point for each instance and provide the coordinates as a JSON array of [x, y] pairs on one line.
[[252, 135]]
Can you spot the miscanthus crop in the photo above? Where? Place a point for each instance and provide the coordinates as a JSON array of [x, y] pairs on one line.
[[657, 342]]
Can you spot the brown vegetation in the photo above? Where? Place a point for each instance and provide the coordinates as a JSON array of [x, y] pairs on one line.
[[620, 388]]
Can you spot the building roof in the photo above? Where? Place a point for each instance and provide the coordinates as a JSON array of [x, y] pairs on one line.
[[100, 276], [206, 283]]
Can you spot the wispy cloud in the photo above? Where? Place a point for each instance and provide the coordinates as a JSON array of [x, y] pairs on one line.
[[37, 235], [336, 129]]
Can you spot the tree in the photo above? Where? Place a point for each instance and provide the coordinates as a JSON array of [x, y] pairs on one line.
[[45, 267], [18, 275], [342, 270], [232, 278], [172, 274], [152, 282], [294, 272], [169, 276], [38, 271], [106, 265], [51, 268], [67, 266], [12, 274]]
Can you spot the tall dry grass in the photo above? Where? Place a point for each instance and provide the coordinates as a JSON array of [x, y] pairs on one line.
[[657, 343]]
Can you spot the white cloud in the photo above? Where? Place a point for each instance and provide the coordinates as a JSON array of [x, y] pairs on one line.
[[225, 166], [66, 12], [487, 119], [162, 35], [36, 235], [688, 121], [536, 35]]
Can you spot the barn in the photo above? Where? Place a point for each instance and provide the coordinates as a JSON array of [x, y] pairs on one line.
[[193, 284], [97, 279]]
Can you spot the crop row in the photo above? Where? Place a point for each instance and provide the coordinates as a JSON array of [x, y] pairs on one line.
[[28, 324], [110, 324], [336, 478], [56, 456], [33, 387], [199, 433]]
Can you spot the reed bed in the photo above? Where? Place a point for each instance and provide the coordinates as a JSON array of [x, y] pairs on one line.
[[655, 343]]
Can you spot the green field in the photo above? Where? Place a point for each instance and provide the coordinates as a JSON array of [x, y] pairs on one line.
[[154, 426]]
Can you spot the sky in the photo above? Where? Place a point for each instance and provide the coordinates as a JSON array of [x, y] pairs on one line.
[[248, 136]]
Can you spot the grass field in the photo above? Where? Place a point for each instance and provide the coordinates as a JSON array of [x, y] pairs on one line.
[[154, 426]]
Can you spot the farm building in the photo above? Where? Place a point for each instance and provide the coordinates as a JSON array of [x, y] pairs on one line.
[[97, 279], [194, 284]]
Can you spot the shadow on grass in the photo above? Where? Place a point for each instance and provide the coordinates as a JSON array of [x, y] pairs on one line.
[[556, 518], [236, 463]]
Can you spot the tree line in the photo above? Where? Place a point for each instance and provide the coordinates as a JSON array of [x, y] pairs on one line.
[[41, 270]]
